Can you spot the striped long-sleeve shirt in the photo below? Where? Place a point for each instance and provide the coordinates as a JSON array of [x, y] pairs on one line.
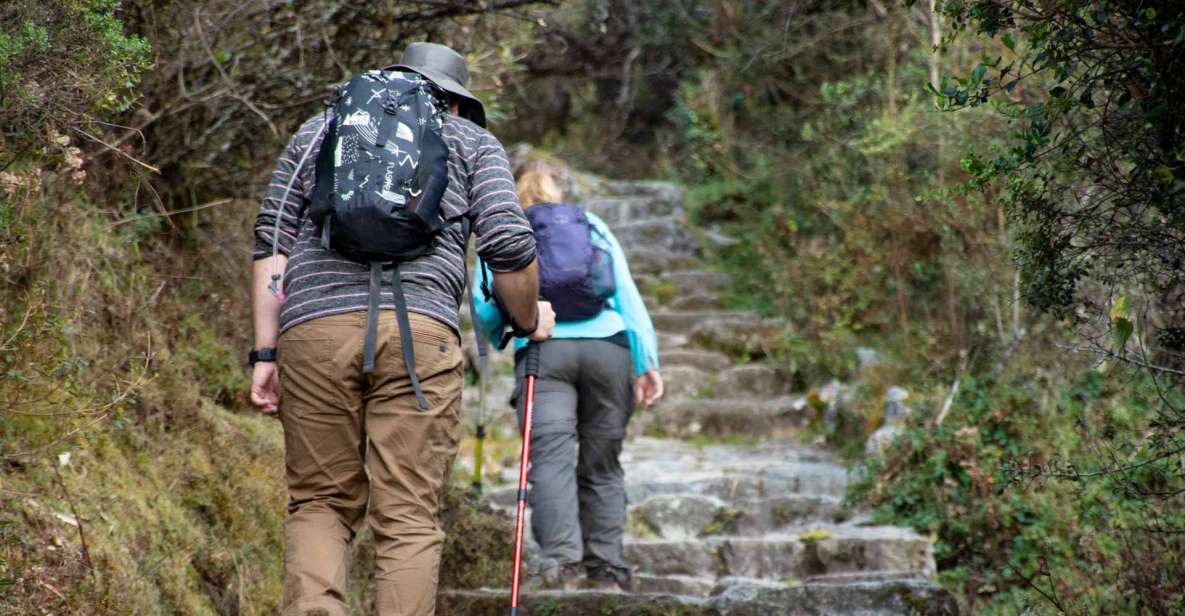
[[319, 282]]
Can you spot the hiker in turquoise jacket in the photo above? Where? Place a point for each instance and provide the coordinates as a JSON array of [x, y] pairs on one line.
[[591, 374]]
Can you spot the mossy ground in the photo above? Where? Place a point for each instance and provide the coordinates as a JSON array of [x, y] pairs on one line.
[[123, 399]]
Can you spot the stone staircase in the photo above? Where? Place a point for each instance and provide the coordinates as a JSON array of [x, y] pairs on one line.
[[729, 512]]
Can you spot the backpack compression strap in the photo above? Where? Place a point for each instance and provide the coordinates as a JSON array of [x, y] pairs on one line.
[[405, 337], [372, 317]]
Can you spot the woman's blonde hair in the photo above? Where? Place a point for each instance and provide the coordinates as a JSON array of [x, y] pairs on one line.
[[536, 184]]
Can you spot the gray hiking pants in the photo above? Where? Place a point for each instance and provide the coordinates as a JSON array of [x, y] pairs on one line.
[[583, 401]]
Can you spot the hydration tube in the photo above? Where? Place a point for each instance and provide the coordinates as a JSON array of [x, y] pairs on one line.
[[274, 286]]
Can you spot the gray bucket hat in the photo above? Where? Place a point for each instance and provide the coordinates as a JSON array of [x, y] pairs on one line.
[[448, 70]]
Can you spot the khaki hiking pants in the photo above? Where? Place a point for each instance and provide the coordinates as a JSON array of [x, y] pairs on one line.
[[357, 446]]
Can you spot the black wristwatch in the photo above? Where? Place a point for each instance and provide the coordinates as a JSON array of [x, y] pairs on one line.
[[519, 332], [258, 355]]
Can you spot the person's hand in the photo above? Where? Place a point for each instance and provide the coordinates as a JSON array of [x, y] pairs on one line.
[[265, 387], [546, 325], [648, 388]]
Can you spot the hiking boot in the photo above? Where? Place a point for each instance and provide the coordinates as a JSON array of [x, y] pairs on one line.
[[609, 579], [569, 577], [554, 576]]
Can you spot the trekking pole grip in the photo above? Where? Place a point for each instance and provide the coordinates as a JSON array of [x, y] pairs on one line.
[[532, 362]]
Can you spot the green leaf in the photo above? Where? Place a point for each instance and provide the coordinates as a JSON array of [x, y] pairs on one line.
[[1119, 309], [1009, 41], [977, 74], [1123, 331]]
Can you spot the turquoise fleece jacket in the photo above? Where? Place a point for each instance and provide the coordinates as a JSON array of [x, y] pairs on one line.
[[626, 311]]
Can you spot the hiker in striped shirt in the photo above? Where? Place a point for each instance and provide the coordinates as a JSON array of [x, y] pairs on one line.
[[358, 446]]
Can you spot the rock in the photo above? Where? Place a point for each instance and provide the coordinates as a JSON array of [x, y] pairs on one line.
[[739, 335], [668, 233], [662, 192], [835, 398], [891, 598], [707, 361], [618, 210], [697, 280], [896, 415], [715, 238], [677, 516], [683, 382], [671, 340], [689, 320], [667, 557], [740, 489], [874, 548], [751, 381], [736, 597], [777, 513], [656, 260], [895, 410], [581, 603], [867, 358], [882, 438], [696, 300], [728, 415], [837, 549], [686, 585]]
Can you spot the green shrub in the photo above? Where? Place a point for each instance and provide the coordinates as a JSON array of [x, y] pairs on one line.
[[61, 62], [1008, 485]]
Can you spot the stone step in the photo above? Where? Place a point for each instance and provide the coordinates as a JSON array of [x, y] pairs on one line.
[[696, 300], [812, 552], [668, 232], [681, 382], [722, 416], [647, 259], [685, 281], [874, 598], [686, 585], [657, 190], [685, 516], [702, 586], [686, 321], [620, 209], [732, 486], [748, 382], [751, 381], [812, 478], [490, 602], [672, 341], [707, 361], [736, 333]]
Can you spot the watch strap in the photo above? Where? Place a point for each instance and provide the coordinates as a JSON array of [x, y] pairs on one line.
[[265, 354]]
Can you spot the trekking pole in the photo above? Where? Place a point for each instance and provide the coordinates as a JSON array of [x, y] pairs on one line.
[[532, 370], [480, 432]]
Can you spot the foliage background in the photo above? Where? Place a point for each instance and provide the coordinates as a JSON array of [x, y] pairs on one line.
[[137, 136]]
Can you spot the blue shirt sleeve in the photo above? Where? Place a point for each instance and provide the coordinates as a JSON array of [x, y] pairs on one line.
[[489, 319], [627, 301]]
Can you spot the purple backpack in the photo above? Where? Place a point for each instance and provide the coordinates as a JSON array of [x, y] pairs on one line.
[[574, 275]]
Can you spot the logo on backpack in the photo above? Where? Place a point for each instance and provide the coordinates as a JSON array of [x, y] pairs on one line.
[[575, 275]]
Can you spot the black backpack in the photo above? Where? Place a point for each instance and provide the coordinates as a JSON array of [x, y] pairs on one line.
[[380, 175]]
